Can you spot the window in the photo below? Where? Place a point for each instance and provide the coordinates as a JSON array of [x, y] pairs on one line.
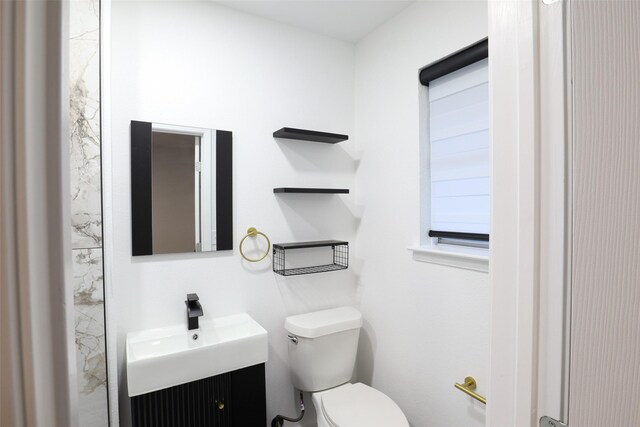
[[456, 209]]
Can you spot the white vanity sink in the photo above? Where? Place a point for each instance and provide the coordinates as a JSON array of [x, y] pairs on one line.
[[165, 357]]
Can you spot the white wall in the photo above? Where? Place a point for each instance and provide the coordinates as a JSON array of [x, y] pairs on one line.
[[199, 64], [427, 326]]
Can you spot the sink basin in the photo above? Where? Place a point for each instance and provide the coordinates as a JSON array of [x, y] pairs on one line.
[[165, 357]]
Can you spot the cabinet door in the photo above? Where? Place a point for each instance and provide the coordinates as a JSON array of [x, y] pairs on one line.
[[247, 397], [198, 403]]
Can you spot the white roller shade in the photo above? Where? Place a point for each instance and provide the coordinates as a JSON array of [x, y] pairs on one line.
[[459, 135]]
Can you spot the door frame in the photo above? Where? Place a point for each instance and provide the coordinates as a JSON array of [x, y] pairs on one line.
[[531, 210]]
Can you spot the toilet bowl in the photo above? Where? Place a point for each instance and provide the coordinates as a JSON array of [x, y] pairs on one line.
[[357, 405], [322, 353]]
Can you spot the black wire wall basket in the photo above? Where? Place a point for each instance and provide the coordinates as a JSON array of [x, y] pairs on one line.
[[340, 257]]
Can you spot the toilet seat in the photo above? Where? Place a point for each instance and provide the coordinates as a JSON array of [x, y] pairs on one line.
[[358, 405]]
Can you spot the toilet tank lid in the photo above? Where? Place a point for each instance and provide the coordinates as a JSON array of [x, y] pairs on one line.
[[323, 322]]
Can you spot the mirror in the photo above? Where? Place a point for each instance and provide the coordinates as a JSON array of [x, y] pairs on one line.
[[181, 197]]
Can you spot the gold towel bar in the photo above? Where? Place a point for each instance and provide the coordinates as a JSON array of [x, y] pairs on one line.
[[253, 233], [468, 387]]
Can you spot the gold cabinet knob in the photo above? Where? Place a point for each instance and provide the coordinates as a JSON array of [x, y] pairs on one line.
[[221, 405]]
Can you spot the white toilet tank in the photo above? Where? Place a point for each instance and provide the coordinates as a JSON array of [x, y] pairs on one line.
[[325, 352]]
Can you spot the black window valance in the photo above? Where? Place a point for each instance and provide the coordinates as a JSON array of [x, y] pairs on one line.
[[461, 59]]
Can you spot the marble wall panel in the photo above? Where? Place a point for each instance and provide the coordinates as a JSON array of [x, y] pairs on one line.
[[86, 211], [88, 293], [84, 88]]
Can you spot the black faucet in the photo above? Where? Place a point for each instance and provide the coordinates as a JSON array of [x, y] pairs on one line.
[[194, 310]]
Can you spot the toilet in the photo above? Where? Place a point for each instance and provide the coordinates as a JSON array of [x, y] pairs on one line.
[[322, 354]]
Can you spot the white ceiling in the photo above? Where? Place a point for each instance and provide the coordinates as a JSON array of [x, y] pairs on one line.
[[347, 20]]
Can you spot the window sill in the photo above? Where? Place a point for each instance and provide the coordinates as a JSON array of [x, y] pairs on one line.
[[475, 259]]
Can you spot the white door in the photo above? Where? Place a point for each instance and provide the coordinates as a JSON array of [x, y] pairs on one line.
[[604, 369]]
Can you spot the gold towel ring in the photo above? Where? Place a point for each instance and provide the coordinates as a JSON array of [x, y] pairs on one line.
[[252, 232]]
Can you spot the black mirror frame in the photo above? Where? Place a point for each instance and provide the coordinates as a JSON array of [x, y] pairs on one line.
[[141, 208]]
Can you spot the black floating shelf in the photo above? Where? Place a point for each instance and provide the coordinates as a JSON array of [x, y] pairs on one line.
[[293, 190], [340, 257], [310, 135]]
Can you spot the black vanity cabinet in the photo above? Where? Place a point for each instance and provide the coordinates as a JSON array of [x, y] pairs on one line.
[[232, 399]]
